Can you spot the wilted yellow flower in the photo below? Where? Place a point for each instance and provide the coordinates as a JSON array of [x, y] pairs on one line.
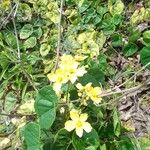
[[68, 70], [88, 92], [78, 122]]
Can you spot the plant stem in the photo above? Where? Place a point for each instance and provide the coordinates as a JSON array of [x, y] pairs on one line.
[[59, 36]]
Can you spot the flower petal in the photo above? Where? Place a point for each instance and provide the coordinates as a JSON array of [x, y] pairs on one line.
[[83, 117], [69, 125], [73, 78], [79, 132], [79, 86], [57, 87], [74, 114], [81, 71], [87, 127]]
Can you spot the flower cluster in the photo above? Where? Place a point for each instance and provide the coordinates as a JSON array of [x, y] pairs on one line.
[[78, 122], [88, 92], [68, 70]]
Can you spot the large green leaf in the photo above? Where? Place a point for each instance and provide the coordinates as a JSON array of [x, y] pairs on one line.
[[45, 106], [145, 56], [32, 136], [26, 31], [89, 141]]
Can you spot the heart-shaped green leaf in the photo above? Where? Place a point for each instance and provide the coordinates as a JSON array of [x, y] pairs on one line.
[[32, 136], [45, 106]]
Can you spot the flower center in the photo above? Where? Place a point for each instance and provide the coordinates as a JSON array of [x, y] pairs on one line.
[[78, 124]]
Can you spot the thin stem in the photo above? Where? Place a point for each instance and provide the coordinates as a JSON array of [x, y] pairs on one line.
[[132, 76], [126, 91], [59, 36], [14, 24]]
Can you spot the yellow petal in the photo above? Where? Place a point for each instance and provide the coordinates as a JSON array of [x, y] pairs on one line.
[[79, 86], [79, 132], [98, 90], [74, 114], [51, 77], [69, 125], [96, 100], [87, 127], [83, 117], [73, 78], [57, 87], [81, 71]]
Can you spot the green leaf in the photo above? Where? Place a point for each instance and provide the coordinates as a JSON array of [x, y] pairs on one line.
[[62, 140], [10, 39], [134, 36], [117, 8], [125, 144], [10, 101], [24, 13], [44, 49], [30, 42], [130, 49], [145, 56], [37, 33], [26, 31], [45, 106], [103, 147], [117, 40], [145, 143], [32, 136], [116, 123], [146, 38], [89, 141], [117, 19]]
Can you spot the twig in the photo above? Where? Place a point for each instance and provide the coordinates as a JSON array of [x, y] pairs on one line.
[[59, 36], [132, 76], [16, 115], [8, 16], [29, 79], [125, 91], [14, 24]]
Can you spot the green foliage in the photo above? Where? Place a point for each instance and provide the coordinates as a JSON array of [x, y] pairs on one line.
[[89, 141], [106, 33]]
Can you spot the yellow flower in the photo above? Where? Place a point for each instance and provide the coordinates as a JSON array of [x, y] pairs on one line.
[[88, 92], [94, 94], [59, 78], [78, 122], [68, 70]]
